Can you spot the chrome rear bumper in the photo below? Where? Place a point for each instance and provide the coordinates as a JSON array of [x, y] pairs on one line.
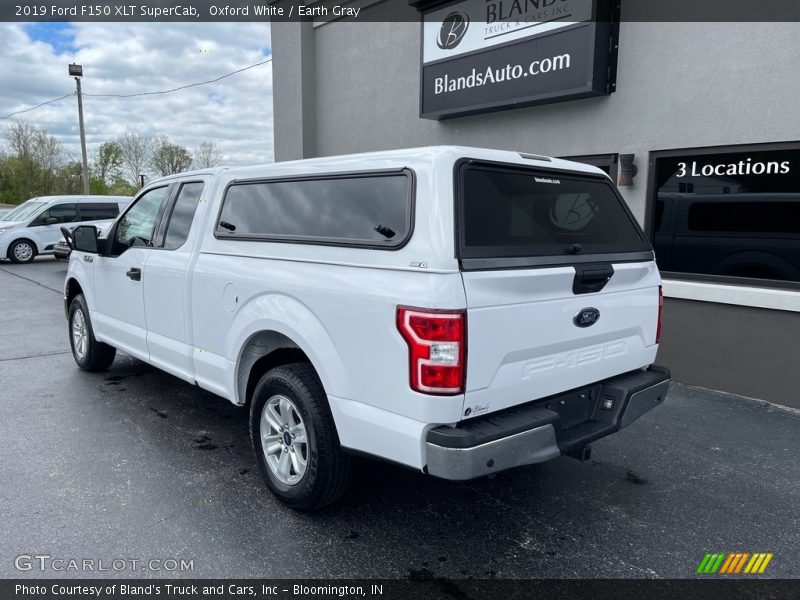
[[544, 429]]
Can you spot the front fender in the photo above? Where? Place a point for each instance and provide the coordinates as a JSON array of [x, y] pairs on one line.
[[288, 316], [28, 233], [81, 271], [18, 234]]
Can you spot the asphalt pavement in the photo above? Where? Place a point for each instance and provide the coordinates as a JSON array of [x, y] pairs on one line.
[[136, 464]]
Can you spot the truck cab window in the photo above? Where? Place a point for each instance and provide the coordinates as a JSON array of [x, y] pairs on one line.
[[180, 221], [135, 228]]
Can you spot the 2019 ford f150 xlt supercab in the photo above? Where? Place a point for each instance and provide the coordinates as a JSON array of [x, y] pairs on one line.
[[457, 310]]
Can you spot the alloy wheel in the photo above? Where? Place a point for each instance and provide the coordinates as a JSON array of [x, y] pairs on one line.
[[23, 252], [80, 334], [284, 440]]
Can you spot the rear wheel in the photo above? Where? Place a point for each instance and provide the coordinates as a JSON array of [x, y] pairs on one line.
[[89, 354], [295, 439], [22, 251]]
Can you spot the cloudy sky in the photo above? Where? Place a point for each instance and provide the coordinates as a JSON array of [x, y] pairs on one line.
[[127, 58]]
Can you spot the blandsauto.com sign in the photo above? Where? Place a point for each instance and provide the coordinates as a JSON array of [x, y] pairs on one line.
[[486, 55]]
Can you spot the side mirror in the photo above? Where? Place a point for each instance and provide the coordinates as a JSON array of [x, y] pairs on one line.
[[67, 237], [84, 239], [50, 221]]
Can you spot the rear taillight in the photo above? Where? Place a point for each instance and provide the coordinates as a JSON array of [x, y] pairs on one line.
[[660, 313], [436, 349]]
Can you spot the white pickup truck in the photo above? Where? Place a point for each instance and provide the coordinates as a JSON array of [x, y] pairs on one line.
[[456, 310]]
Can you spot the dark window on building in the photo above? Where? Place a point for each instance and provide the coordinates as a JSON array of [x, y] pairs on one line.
[[180, 221], [99, 211], [686, 188], [523, 212], [361, 210], [659, 216], [743, 219]]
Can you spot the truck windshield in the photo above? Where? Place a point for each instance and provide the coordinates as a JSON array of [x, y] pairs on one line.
[[507, 211], [23, 211]]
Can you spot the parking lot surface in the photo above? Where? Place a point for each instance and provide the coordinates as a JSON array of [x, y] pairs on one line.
[[134, 463]]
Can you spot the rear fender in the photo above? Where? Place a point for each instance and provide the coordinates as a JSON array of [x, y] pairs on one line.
[[290, 318]]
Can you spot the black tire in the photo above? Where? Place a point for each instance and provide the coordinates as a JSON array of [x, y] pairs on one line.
[[18, 245], [97, 356], [328, 469]]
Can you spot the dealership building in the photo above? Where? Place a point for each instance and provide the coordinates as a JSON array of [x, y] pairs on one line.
[[698, 123]]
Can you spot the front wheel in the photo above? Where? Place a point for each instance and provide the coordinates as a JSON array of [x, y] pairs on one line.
[[89, 354], [295, 439], [22, 251]]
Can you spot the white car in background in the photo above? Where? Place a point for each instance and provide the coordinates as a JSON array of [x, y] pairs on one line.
[[34, 227]]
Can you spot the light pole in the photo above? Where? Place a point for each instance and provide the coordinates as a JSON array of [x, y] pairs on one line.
[[76, 71]]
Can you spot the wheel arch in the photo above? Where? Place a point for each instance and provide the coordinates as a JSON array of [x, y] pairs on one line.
[[263, 351], [23, 238], [71, 289], [276, 323]]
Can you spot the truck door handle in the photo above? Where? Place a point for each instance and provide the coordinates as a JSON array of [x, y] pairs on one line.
[[134, 274]]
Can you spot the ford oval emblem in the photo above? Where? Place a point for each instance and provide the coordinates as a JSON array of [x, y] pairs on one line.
[[586, 317]]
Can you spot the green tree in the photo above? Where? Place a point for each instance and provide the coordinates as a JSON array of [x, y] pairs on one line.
[[137, 150], [6, 195], [169, 158], [34, 161], [97, 186], [68, 178], [107, 162], [120, 187]]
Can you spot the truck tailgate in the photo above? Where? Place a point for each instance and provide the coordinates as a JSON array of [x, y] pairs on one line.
[[523, 341]]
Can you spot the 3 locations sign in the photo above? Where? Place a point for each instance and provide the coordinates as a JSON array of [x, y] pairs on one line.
[[485, 55]]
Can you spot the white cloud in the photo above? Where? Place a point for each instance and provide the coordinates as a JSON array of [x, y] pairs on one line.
[[125, 58]]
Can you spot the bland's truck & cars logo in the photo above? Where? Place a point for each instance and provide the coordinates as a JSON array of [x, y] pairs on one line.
[[454, 27]]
